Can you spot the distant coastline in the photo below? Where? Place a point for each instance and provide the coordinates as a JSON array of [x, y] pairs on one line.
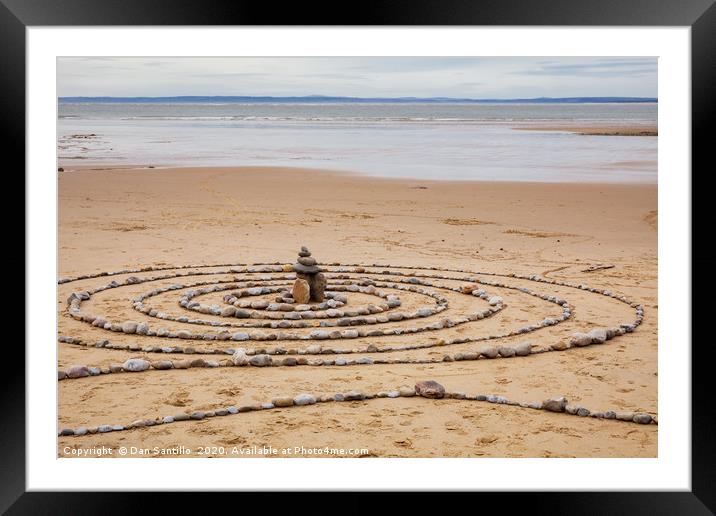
[[319, 99]]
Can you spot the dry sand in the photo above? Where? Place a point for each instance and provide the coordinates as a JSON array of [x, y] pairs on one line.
[[114, 219]]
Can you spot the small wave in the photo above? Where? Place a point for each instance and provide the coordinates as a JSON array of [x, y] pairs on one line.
[[251, 118]]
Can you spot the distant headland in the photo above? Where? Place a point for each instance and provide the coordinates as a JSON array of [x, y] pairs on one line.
[[321, 99]]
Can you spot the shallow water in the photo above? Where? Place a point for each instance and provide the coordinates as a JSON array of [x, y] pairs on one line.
[[427, 141]]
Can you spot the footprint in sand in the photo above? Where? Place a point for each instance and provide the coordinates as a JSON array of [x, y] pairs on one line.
[[233, 441], [486, 439], [88, 395], [455, 427], [230, 391], [652, 218], [178, 399]]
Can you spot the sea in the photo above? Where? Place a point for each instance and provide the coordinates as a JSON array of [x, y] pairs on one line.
[[421, 140]]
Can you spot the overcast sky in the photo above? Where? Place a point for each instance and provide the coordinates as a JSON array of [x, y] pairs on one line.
[[472, 77]]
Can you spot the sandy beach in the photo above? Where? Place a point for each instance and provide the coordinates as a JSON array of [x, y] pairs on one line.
[[112, 219], [597, 130]]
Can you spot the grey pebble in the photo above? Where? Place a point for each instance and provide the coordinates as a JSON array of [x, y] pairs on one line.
[[304, 399], [135, 365], [642, 419]]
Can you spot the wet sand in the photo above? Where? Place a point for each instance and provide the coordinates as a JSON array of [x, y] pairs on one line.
[[597, 130]]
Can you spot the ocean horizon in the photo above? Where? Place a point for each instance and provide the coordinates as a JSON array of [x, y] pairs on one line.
[[411, 139], [320, 99]]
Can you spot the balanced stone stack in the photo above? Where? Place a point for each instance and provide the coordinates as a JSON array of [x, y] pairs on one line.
[[310, 275]]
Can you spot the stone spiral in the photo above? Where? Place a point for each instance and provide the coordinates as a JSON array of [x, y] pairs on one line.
[[244, 315]]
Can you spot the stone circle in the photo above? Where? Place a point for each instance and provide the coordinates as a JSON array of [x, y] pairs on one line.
[[208, 309]]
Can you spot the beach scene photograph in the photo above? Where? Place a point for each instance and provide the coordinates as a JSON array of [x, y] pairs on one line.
[[357, 257]]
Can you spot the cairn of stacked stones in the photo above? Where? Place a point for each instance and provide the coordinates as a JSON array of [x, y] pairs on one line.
[[356, 315], [308, 277]]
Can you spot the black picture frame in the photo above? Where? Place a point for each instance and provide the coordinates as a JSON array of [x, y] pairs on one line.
[[700, 15]]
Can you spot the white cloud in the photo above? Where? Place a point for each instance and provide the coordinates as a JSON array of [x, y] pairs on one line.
[[479, 77]]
